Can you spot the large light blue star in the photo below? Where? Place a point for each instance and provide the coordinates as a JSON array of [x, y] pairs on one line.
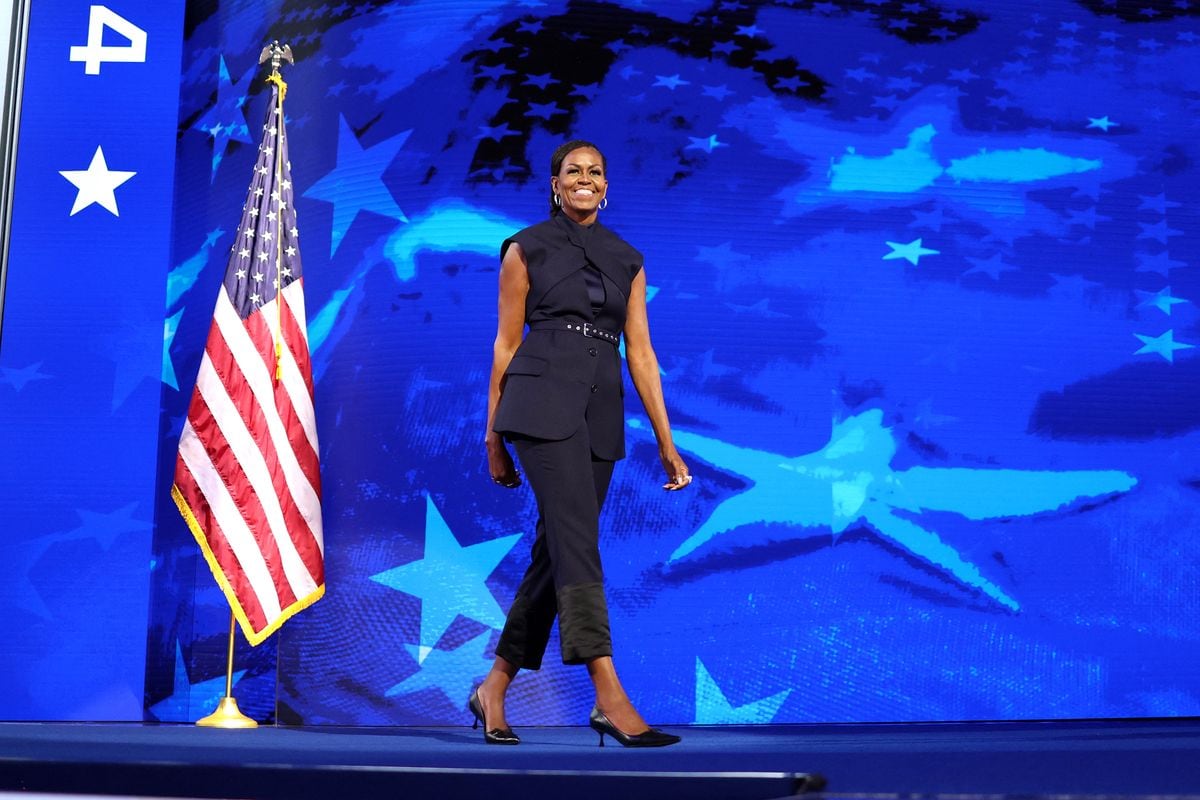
[[451, 580], [454, 672], [189, 701], [224, 120], [712, 708], [356, 183], [1162, 300], [851, 480], [1164, 345], [910, 252]]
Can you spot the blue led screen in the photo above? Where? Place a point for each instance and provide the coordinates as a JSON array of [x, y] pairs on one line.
[[81, 356], [922, 286]]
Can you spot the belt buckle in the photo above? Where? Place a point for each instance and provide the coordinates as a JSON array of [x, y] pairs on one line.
[[589, 330]]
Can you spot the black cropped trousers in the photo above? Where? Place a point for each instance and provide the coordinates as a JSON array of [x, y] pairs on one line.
[[564, 578]]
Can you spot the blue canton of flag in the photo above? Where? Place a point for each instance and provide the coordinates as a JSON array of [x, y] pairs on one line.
[[267, 236]]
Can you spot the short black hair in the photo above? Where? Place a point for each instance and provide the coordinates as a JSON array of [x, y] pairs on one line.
[[559, 155]]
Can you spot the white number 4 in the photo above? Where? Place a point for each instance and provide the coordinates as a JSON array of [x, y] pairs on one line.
[[95, 52]]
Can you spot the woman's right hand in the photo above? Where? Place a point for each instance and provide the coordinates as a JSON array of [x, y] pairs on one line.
[[500, 464]]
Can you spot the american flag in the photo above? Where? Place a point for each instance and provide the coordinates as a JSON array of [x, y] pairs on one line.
[[247, 477]]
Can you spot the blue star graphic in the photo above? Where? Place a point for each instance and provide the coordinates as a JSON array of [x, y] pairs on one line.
[[541, 81], [225, 121], [183, 277], [1157, 202], [992, 267], [718, 92], [904, 84], [496, 132], [721, 256], [20, 378], [1087, 217], [749, 30], [1158, 231], [170, 328], [452, 672], [963, 75], [20, 559], [910, 252], [671, 82], [707, 144], [1162, 263], [544, 110], [1162, 300], [189, 701], [1164, 345], [1102, 123], [450, 580], [887, 102], [356, 183], [933, 219], [105, 528], [860, 74], [495, 72], [712, 707], [588, 91]]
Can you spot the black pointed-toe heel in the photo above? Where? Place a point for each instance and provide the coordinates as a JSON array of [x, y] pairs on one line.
[[495, 735], [650, 738]]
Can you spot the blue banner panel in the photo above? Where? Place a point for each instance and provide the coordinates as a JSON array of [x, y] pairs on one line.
[[922, 285], [81, 356]]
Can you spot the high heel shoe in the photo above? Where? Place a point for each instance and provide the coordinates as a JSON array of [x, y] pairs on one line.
[[495, 735], [650, 738]]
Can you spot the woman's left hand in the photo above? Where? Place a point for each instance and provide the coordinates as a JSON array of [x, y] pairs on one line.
[[678, 475]]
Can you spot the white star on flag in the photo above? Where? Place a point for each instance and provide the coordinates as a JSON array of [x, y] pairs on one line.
[[96, 184]]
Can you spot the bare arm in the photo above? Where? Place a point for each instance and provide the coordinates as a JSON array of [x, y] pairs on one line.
[[643, 368], [514, 287]]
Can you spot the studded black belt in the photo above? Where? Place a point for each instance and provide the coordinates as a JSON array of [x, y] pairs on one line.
[[577, 326]]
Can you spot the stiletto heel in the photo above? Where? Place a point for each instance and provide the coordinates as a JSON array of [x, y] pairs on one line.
[[495, 735], [649, 738]]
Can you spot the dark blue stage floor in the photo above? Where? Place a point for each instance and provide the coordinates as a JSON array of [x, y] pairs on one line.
[[1095, 758]]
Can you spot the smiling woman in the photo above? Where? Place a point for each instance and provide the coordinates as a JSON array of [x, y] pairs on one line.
[[556, 394]]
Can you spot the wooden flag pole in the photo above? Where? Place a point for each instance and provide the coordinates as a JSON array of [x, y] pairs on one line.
[[228, 715]]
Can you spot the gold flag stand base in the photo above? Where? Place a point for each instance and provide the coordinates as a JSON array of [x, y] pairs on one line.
[[228, 715]]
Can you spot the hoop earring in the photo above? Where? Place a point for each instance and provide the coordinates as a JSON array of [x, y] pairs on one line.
[[603, 203], [557, 201]]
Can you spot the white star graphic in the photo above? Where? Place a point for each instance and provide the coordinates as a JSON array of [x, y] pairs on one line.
[[96, 184]]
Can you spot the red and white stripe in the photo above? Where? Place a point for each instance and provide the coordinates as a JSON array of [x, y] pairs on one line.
[[247, 478]]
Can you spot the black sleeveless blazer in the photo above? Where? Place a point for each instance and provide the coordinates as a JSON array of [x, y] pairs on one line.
[[559, 380]]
